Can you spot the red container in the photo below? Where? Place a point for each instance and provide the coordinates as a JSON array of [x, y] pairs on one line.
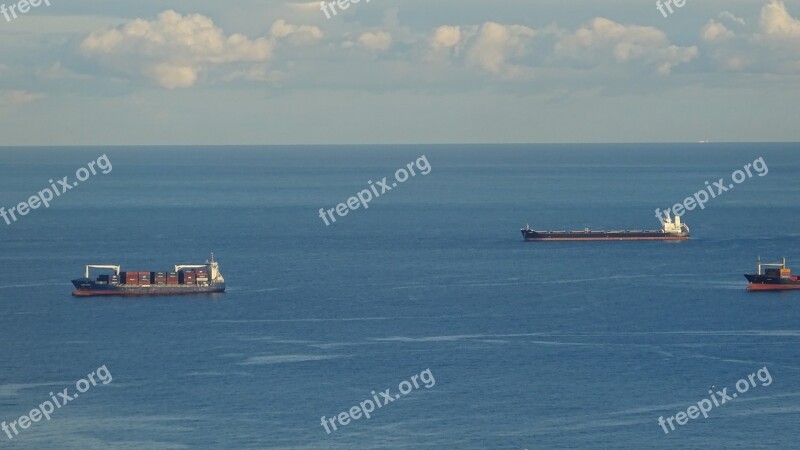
[[187, 277], [172, 281], [132, 278]]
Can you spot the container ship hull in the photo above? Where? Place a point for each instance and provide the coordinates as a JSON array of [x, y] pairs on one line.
[[772, 277], [183, 279], [768, 284], [89, 288]]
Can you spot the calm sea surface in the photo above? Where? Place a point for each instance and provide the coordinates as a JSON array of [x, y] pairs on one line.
[[532, 345]]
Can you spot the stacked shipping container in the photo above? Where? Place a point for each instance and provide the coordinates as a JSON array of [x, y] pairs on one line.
[[159, 278], [131, 278], [202, 276], [198, 276], [188, 277]]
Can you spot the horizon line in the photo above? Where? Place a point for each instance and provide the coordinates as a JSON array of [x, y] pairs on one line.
[[11, 146]]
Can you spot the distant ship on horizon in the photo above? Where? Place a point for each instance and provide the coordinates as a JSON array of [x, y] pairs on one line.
[[672, 230]]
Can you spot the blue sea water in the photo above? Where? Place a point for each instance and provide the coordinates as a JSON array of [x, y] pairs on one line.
[[532, 345]]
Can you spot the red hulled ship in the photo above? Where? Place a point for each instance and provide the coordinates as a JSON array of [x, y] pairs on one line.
[[772, 277]]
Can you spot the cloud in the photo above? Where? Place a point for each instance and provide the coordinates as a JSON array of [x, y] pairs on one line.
[[603, 41], [770, 47], [497, 44], [519, 52], [445, 37], [57, 71], [296, 34], [14, 98], [777, 23], [730, 16], [380, 40], [305, 6], [777, 43], [444, 43], [715, 31], [172, 50]]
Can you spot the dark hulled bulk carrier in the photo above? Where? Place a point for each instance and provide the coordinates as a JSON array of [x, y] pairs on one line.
[[673, 230], [183, 279]]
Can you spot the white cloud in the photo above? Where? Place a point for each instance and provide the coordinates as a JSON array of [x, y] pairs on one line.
[[305, 6], [57, 71], [445, 37], [772, 46], [173, 50], [444, 43], [296, 34], [715, 31], [730, 16], [13, 98], [171, 75], [380, 40], [516, 51], [604, 41], [777, 23], [496, 44]]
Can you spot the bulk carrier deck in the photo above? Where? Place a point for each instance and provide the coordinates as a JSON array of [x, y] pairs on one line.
[[673, 230]]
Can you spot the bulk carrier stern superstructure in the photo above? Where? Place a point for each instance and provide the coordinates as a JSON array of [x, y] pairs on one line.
[[184, 279]]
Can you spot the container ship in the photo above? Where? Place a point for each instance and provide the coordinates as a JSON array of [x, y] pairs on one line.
[[772, 277], [183, 279], [673, 230]]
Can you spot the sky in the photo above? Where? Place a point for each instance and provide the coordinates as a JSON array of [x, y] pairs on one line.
[[269, 72]]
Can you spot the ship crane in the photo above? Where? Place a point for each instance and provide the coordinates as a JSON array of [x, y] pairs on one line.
[[116, 269], [780, 265]]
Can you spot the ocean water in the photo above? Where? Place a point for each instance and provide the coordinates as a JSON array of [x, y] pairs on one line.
[[530, 345]]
